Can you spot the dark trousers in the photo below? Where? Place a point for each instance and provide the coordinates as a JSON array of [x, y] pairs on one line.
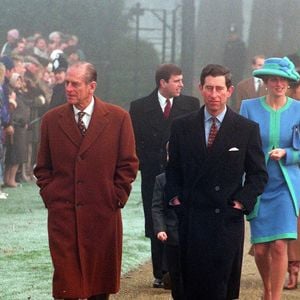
[[159, 263], [174, 267], [99, 297]]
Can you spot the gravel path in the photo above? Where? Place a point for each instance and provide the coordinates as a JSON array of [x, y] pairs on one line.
[[137, 284]]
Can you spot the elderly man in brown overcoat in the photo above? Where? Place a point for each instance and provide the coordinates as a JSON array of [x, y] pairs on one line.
[[85, 168]]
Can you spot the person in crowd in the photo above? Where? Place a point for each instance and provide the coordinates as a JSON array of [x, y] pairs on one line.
[[40, 48], [59, 97], [72, 54], [7, 127], [11, 42], [215, 173], [273, 222], [16, 143], [152, 117], [165, 225], [20, 48], [74, 41], [293, 245], [251, 87], [234, 56], [84, 184], [54, 38], [2, 77], [32, 77], [20, 69], [19, 65], [9, 69], [30, 42], [295, 58]]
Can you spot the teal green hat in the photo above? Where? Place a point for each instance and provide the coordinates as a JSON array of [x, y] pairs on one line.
[[277, 66]]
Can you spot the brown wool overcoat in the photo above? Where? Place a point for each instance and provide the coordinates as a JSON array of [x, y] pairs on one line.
[[84, 182]]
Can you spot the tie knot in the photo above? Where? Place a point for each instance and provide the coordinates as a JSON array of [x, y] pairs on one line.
[[81, 114]]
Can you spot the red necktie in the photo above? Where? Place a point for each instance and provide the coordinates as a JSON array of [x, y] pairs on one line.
[[212, 133], [167, 109], [80, 123]]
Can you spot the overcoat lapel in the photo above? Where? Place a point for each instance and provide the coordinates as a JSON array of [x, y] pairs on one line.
[[197, 136], [154, 112], [68, 125]]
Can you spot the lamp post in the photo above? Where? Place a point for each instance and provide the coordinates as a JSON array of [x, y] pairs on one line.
[[173, 38], [136, 11]]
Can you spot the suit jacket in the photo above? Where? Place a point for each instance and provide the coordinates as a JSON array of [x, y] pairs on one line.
[[246, 90], [84, 181], [164, 218], [151, 132], [212, 231]]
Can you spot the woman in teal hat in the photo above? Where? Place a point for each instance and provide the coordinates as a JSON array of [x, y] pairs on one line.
[[273, 222]]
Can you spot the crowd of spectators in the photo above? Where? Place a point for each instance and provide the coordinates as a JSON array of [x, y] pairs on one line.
[[32, 71]]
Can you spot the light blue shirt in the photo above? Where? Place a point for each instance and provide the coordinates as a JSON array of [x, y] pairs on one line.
[[208, 121]]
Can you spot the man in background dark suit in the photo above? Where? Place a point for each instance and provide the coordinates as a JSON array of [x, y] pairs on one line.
[[152, 117], [209, 153], [251, 87]]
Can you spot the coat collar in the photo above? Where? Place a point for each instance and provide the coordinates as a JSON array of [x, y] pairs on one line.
[[99, 121], [154, 113], [152, 103]]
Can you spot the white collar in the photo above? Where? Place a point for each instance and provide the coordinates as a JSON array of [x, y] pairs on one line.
[[88, 110]]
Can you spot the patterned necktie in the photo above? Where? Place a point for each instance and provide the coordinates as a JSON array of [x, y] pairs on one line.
[[167, 109], [212, 133], [80, 123]]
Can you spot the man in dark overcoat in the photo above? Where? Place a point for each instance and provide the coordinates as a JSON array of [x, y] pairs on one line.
[[151, 117], [86, 164], [214, 176]]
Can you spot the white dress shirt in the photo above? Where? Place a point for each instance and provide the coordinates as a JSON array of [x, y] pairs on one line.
[[163, 101], [88, 113]]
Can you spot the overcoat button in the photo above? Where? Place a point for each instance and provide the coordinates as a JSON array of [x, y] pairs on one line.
[[217, 210], [217, 188]]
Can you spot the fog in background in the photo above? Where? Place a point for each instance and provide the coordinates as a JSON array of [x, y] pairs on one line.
[[127, 41]]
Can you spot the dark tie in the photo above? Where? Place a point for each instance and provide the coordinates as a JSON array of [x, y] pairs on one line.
[[212, 133], [80, 123], [167, 109]]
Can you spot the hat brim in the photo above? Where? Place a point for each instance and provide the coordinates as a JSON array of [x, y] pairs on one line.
[[261, 73]]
